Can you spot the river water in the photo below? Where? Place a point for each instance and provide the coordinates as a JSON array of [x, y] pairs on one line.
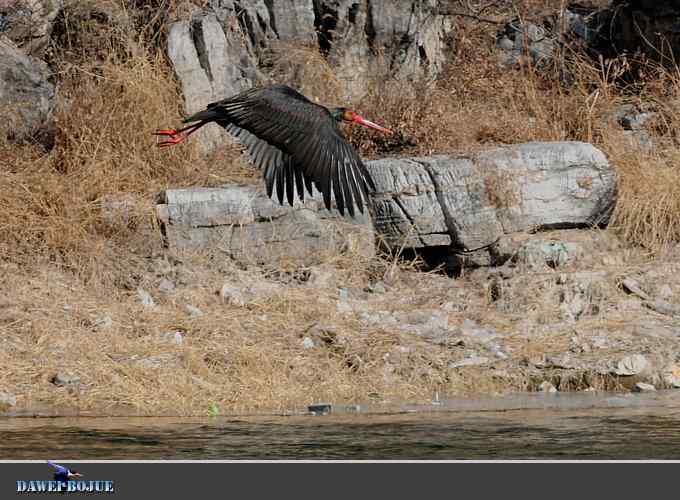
[[538, 427]]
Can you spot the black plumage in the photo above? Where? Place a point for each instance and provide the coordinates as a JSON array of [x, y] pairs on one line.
[[295, 142]]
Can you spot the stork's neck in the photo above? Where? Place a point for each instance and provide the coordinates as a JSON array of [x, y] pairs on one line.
[[337, 113]]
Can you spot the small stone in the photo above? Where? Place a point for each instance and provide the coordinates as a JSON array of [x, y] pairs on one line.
[[538, 253], [538, 361], [663, 307], [665, 292], [480, 335], [630, 305], [632, 365], [473, 360], [377, 287], [497, 351], [343, 294], [102, 322], [506, 44], [547, 387], [166, 285], [117, 211], [194, 312], [322, 277], [633, 287], [426, 317], [563, 361], [344, 307], [307, 343], [672, 376], [63, 379], [320, 408], [154, 362], [672, 380], [636, 120], [573, 309], [232, 296], [599, 342], [204, 384], [609, 261], [468, 325], [439, 336], [175, 337], [448, 307], [7, 400], [145, 298], [327, 334], [643, 387]]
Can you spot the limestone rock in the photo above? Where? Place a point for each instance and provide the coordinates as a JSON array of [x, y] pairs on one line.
[[632, 365], [211, 62], [26, 95], [243, 223], [413, 37], [472, 201], [445, 202], [64, 379], [219, 51], [538, 253], [7, 401], [547, 387], [28, 23]]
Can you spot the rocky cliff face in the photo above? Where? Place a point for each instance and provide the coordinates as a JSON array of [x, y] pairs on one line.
[[228, 45], [219, 51], [26, 96], [28, 23]]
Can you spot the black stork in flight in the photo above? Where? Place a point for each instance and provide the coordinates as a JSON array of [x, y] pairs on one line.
[[295, 142]]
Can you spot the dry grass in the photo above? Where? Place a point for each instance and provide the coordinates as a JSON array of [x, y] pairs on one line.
[[68, 264]]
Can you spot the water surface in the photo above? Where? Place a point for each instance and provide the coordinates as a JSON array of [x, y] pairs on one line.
[[632, 427]]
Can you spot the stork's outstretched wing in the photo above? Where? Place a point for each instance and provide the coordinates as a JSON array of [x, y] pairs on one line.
[[294, 142]]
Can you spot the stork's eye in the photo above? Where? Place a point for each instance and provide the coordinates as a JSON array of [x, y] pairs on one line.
[[348, 116]]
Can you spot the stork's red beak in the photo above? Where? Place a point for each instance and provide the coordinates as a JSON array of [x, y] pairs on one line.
[[366, 123]]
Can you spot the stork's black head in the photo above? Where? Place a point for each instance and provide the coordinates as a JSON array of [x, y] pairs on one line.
[[351, 116], [342, 114]]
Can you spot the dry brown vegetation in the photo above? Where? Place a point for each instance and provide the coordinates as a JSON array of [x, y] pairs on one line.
[[64, 264]]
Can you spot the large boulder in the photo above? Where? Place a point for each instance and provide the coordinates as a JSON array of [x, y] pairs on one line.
[[243, 223], [28, 23], [211, 63], [26, 95], [451, 204], [472, 201]]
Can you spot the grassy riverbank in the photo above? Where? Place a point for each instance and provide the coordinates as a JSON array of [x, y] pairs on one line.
[[71, 274]]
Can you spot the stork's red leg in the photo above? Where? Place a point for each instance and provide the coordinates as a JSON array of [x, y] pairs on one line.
[[177, 136]]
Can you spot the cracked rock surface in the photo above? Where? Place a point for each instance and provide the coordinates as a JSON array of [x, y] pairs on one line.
[[220, 50], [245, 224], [473, 201], [442, 202]]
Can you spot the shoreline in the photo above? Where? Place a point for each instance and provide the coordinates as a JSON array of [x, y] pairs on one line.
[[516, 402]]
